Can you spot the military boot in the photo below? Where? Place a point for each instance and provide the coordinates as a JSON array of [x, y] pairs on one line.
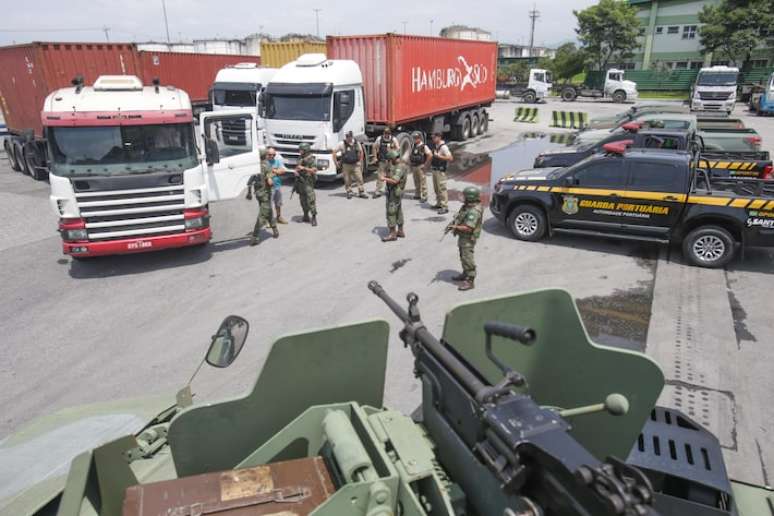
[[362, 195], [400, 232], [274, 232], [306, 217], [254, 240], [349, 195], [391, 237], [314, 220], [466, 285]]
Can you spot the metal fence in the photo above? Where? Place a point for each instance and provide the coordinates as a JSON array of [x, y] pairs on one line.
[[681, 80]]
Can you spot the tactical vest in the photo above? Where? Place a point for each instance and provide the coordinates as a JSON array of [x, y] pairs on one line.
[[350, 154], [437, 163], [384, 147], [417, 156]]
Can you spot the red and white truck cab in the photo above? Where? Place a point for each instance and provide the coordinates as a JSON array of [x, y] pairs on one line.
[[130, 171]]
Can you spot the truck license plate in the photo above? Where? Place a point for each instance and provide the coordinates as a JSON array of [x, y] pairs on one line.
[[142, 244]]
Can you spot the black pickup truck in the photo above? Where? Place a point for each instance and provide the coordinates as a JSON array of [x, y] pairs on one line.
[[645, 194], [733, 163]]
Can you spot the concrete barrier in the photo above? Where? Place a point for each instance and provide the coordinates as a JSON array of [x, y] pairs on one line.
[[569, 119], [526, 114]]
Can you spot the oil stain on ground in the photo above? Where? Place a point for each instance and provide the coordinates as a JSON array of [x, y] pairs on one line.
[[622, 318], [739, 315]]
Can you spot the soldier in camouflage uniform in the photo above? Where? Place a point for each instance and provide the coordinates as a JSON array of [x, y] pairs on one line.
[[396, 183], [467, 227], [306, 176], [262, 187]]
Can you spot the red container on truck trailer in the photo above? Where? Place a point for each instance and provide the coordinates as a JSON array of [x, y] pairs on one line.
[[408, 78], [28, 73], [192, 73]]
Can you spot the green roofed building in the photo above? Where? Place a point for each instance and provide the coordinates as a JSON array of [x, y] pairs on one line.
[[671, 38]]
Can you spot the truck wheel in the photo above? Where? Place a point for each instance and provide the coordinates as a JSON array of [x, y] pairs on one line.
[[568, 94], [709, 246], [466, 128], [475, 126], [404, 145], [484, 124], [529, 97], [619, 96], [8, 147], [18, 156], [527, 223], [33, 162]]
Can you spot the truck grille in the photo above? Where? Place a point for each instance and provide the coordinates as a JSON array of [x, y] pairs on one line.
[[234, 132], [714, 95], [112, 215], [287, 145]]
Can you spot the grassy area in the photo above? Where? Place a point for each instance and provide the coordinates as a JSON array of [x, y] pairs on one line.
[[669, 95]]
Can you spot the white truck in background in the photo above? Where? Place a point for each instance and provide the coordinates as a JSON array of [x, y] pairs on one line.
[[715, 89], [239, 87], [611, 85], [537, 88], [131, 172]]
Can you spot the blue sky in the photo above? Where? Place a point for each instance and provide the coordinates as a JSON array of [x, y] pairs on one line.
[[142, 20]]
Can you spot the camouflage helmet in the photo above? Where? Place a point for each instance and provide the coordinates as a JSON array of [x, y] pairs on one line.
[[471, 194], [304, 148], [263, 153], [393, 154]]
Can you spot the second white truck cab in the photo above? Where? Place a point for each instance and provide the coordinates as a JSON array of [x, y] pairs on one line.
[[129, 169], [614, 87], [715, 89], [239, 87], [538, 86], [314, 100], [615, 82]]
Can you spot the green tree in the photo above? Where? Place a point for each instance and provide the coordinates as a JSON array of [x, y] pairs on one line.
[[608, 32], [734, 28], [568, 62], [513, 72]]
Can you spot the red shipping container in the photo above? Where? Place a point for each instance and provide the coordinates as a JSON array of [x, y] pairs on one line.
[[408, 78], [28, 73], [192, 73]]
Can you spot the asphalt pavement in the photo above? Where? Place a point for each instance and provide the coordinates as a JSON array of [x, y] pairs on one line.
[[129, 326]]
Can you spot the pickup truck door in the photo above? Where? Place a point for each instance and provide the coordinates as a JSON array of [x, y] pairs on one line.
[[589, 198], [227, 167], [654, 198]]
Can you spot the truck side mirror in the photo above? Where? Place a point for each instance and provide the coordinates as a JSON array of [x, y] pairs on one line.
[[211, 151], [228, 341]]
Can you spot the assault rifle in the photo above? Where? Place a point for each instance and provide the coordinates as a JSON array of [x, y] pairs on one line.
[[510, 455]]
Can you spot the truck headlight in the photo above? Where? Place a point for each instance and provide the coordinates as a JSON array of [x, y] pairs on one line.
[[75, 234], [196, 223], [322, 164]]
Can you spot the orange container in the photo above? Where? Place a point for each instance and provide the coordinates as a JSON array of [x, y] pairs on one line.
[[408, 78]]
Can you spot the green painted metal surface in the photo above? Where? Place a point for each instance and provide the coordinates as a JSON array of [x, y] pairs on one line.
[[313, 368], [564, 367]]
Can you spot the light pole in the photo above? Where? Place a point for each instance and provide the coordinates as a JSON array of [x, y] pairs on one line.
[[404, 26], [166, 22], [431, 26], [317, 20]]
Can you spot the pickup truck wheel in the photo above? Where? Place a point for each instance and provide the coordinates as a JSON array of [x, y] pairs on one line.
[[619, 96], [568, 94], [709, 246], [529, 97], [527, 223]]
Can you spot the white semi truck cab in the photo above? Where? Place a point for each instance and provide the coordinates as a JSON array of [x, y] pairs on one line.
[[239, 87], [538, 86], [614, 87], [129, 170], [314, 100], [715, 89]]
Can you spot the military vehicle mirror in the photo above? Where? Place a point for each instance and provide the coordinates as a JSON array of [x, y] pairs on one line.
[[228, 341]]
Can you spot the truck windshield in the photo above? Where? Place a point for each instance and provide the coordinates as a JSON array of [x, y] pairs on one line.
[[717, 79], [298, 107], [121, 150], [237, 98]]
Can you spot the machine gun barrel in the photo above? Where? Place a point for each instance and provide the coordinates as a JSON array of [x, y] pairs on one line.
[[417, 331]]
